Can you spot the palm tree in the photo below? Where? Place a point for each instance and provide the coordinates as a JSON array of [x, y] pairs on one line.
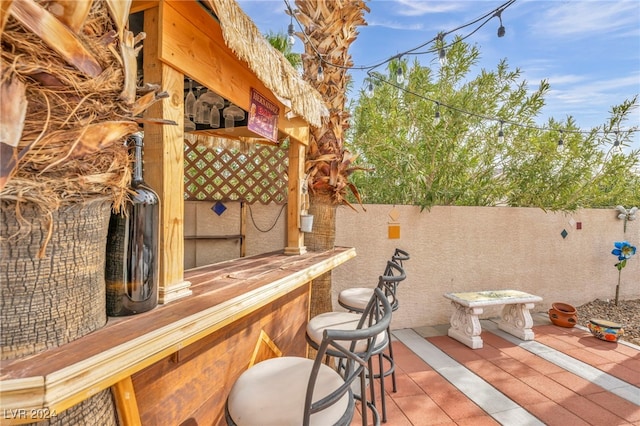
[[280, 42], [329, 29]]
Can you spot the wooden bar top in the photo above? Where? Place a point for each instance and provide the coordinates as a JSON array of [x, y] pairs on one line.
[[61, 377]]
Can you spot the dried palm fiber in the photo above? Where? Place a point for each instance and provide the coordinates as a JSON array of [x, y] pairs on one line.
[[69, 157], [270, 66]]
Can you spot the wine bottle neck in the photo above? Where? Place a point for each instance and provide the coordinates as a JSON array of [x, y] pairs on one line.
[[137, 161]]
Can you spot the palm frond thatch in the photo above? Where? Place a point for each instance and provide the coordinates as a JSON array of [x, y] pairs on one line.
[[270, 66]]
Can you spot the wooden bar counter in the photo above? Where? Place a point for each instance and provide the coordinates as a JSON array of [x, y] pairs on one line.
[[175, 364]]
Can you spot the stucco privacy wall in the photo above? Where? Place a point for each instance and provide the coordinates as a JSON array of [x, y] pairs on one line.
[[200, 220], [456, 249], [452, 249]]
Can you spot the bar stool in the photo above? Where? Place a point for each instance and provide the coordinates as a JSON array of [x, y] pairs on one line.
[[345, 321], [354, 300], [299, 391]]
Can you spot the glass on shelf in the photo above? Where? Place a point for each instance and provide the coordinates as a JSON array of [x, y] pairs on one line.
[[190, 101]]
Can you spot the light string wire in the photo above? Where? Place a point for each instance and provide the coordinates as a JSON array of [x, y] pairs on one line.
[[497, 12], [487, 17], [501, 121]]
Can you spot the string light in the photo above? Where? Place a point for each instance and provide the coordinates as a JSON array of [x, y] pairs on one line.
[[399, 75], [486, 117], [560, 147], [616, 144], [442, 54], [501, 30], [291, 40], [369, 91], [320, 75], [436, 118], [501, 133]]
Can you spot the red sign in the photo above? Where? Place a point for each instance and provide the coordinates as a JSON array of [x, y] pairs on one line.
[[263, 116]]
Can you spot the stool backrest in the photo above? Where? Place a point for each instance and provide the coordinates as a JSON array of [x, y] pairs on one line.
[[400, 256], [375, 319], [388, 282]]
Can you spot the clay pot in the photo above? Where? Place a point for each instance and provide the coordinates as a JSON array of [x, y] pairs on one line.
[[605, 330], [563, 315]]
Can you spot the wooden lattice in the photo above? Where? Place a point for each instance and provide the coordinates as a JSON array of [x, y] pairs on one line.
[[223, 174]]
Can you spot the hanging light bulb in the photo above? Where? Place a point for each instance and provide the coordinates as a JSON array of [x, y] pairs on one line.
[[442, 55], [501, 30], [369, 91], [436, 117], [616, 144], [399, 75], [500, 134], [320, 75], [291, 40], [560, 147]]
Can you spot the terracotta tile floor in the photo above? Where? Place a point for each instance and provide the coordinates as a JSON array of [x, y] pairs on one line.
[[539, 387]]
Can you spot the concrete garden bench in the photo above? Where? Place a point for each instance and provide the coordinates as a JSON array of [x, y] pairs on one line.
[[516, 319]]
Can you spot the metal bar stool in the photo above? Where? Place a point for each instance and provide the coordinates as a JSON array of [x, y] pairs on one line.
[[354, 300], [345, 320], [299, 391]]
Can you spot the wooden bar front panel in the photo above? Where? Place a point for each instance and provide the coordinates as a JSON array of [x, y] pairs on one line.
[[190, 387]]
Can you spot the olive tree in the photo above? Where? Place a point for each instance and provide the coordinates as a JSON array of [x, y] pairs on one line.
[[446, 137]]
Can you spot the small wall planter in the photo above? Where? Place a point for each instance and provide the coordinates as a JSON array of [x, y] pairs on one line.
[[563, 315], [306, 222]]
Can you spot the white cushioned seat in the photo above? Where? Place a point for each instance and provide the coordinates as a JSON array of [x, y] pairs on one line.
[[272, 393], [341, 321], [357, 298]]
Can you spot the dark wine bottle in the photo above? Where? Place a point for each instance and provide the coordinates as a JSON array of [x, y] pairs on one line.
[[132, 247]]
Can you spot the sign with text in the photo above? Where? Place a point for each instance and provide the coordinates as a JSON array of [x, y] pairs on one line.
[[263, 116]]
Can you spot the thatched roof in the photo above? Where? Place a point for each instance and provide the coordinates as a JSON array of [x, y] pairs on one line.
[[243, 37]]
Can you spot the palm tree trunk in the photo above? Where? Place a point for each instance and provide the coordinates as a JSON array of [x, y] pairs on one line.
[[332, 41], [322, 238]]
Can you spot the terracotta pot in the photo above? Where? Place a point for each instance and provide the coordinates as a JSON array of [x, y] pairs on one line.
[[605, 330], [564, 307], [563, 315]]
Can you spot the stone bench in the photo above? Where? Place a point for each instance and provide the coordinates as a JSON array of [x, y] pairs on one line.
[[515, 320]]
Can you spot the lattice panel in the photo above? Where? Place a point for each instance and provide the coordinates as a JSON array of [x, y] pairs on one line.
[[223, 174]]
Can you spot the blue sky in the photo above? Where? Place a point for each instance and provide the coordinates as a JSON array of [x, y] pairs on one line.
[[589, 51]]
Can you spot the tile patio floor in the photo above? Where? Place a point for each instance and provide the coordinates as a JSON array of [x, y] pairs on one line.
[[564, 377]]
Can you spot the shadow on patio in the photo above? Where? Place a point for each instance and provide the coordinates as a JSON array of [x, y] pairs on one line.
[[564, 377]]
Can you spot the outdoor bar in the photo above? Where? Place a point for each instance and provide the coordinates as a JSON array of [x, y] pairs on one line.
[[175, 363]]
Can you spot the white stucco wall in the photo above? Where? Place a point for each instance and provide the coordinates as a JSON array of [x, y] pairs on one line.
[[452, 249], [457, 249]]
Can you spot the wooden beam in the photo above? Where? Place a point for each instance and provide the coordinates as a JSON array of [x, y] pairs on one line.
[[62, 377], [125, 398], [192, 42], [295, 238], [140, 5], [164, 161]]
